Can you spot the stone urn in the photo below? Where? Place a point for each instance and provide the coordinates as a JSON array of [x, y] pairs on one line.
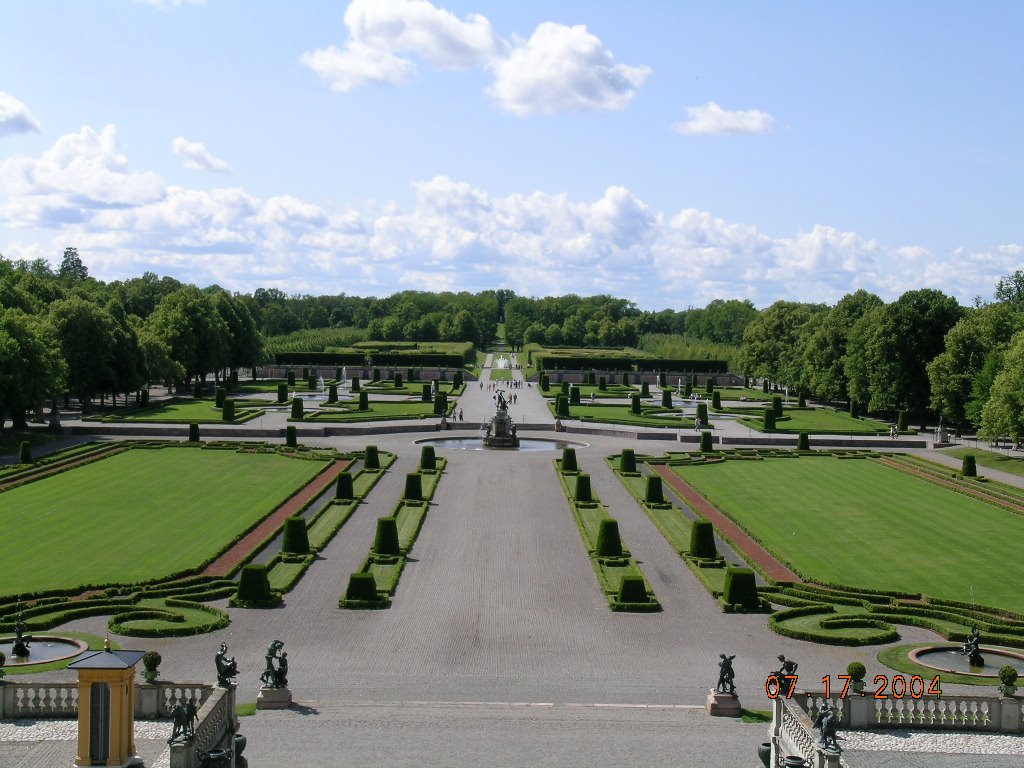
[[150, 666], [765, 752]]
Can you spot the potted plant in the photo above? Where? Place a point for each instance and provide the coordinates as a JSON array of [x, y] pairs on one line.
[[1008, 677], [856, 671], [150, 663]]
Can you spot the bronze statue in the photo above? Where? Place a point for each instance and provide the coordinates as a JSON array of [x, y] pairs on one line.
[[226, 666], [184, 716], [972, 648], [726, 675], [275, 677], [827, 721]]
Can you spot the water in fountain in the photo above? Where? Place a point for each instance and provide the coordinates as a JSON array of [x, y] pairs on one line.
[[321, 388], [502, 362]]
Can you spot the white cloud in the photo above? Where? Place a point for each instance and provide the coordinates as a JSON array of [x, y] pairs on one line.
[[563, 69], [712, 120], [15, 117], [197, 157], [454, 236], [558, 69]]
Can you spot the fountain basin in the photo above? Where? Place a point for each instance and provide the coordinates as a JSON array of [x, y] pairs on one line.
[[42, 649], [477, 444], [947, 658]]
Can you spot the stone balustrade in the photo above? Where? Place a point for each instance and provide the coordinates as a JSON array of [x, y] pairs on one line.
[[216, 726], [60, 700]]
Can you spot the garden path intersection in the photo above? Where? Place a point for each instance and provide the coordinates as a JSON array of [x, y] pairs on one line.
[[499, 649]]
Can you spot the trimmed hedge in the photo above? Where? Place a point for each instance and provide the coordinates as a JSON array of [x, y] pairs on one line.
[[197, 389], [574, 395], [702, 412], [386, 540], [803, 442], [666, 398], [371, 457], [291, 437], [364, 402], [296, 537], [768, 420], [609, 543], [282, 393], [297, 408], [332, 393], [569, 460], [561, 406], [344, 489], [741, 589], [354, 386], [290, 377], [398, 380], [228, 411], [219, 397], [705, 442], [645, 389], [702, 540], [627, 460], [777, 405], [632, 590], [193, 432], [901, 421], [428, 459], [441, 404], [969, 468], [716, 400], [653, 492], [413, 487], [582, 491], [634, 404], [425, 395], [254, 588]]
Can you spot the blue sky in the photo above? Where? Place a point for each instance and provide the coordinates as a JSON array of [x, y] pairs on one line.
[[669, 152]]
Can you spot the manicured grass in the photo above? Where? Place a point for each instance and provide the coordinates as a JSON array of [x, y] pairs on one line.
[[586, 390], [178, 411], [620, 414], [876, 527], [94, 642], [990, 459], [379, 409], [138, 515], [501, 374], [820, 421]]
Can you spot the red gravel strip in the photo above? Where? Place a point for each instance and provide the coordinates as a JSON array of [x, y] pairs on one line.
[[61, 466], [227, 562], [952, 486], [740, 540]]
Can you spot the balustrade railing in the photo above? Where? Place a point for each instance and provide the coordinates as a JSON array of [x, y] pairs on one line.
[[60, 700]]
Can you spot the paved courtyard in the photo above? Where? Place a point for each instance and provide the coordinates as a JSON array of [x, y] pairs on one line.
[[499, 649]]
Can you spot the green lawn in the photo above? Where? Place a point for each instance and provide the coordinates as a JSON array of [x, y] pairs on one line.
[[821, 421], [990, 459], [179, 411], [620, 414], [501, 374], [858, 523], [379, 409], [141, 514], [586, 390]]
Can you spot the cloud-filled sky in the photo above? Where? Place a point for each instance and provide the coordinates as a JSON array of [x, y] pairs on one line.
[[667, 152]]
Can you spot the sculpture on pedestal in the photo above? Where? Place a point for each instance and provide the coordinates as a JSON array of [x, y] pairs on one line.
[[275, 677], [226, 666], [726, 675]]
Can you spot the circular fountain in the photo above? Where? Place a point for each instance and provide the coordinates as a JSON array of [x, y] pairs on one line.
[[477, 444], [950, 658], [42, 649]]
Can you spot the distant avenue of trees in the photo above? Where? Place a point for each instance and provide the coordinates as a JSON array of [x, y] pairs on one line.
[[63, 332]]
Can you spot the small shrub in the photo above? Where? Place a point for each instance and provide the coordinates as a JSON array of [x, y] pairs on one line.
[[768, 422], [228, 411], [296, 537], [291, 436], [627, 460], [564, 388], [561, 406], [666, 398], [428, 459], [376, 374], [354, 386], [291, 378], [706, 445], [634, 404], [709, 387], [741, 589], [193, 432], [764, 386], [371, 458], [398, 380], [364, 402], [716, 400], [361, 587], [970, 466], [856, 670], [151, 661], [386, 540], [441, 404], [218, 398], [545, 383], [653, 493], [282, 393], [1008, 675], [702, 540], [337, 374], [662, 379], [803, 442], [25, 454], [609, 544], [425, 394], [602, 384], [254, 585], [687, 389], [901, 421], [582, 492], [574, 395], [457, 380], [344, 489], [569, 460], [702, 412], [632, 590], [297, 408], [413, 487], [311, 382], [777, 405], [645, 389], [197, 389], [332, 393]]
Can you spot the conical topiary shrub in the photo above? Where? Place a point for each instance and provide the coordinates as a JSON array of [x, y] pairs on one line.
[[645, 389], [297, 408], [254, 585], [602, 384], [413, 487], [741, 589], [609, 544], [716, 400], [428, 459], [344, 489], [332, 393], [702, 540], [901, 421], [969, 468], [425, 396], [662, 379], [687, 389], [702, 412], [582, 492], [574, 395], [371, 459], [709, 385], [803, 442], [627, 460], [398, 380], [653, 492], [457, 380], [227, 412], [193, 432], [296, 537], [386, 540], [545, 382], [561, 407], [666, 398], [290, 378], [706, 443], [441, 404], [632, 590], [291, 437], [777, 405], [801, 401], [569, 460], [354, 386], [305, 373], [768, 422], [25, 453], [564, 388], [364, 401], [362, 587], [219, 395], [764, 386], [634, 404], [282, 393]]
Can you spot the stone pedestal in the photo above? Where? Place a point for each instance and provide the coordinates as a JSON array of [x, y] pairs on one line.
[[274, 698], [723, 704]]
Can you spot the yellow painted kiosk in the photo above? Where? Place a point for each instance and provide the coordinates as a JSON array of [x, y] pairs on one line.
[[106, 707]]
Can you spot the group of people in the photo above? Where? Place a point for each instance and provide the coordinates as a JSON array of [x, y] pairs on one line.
[[511, 399]]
